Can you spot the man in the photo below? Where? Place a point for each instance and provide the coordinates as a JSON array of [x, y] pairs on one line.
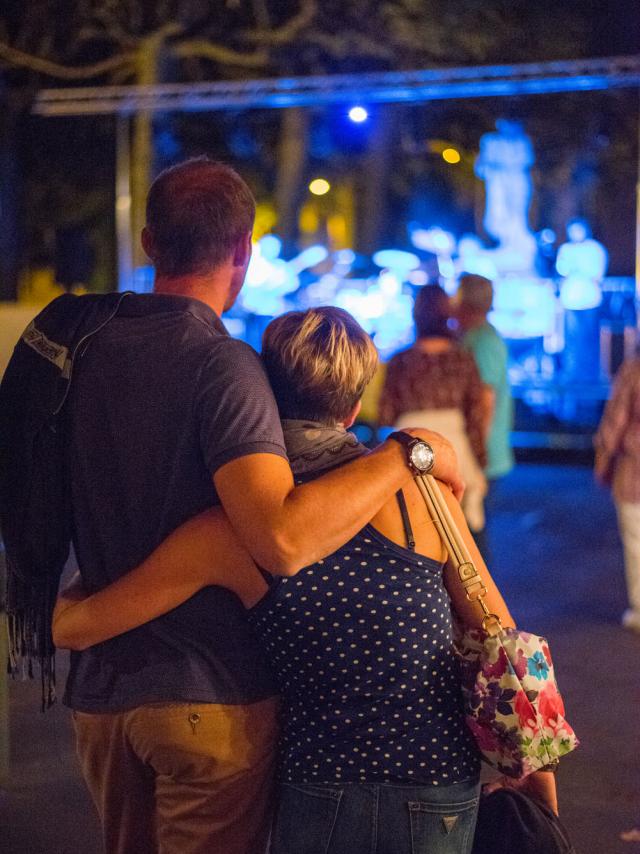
[[472, 303], [168, 415]]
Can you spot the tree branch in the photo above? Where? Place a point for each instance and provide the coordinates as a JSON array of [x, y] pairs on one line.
[[208, 50], [65, 72], [166, 31], [349, 44], [261, 14], [113, 29], [288, 32]]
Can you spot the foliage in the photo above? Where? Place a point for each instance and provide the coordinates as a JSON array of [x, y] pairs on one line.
[[80, 42], [83, 39]]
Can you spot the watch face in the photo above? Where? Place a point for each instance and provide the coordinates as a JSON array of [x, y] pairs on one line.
[[422, 456]]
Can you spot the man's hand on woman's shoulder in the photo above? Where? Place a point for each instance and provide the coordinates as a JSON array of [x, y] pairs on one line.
[[445, 466]]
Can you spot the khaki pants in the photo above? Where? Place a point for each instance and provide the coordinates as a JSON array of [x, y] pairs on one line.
[[629, 525], [181, 779]]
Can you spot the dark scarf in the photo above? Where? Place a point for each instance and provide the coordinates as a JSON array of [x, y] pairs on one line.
[[313, 447]]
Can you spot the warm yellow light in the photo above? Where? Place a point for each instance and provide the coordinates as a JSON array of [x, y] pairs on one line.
[[451, 155], [319, 186]]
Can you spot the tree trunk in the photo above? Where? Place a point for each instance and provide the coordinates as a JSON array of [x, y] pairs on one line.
[[10, 231], [141, 165], [290, 183], [373, 201], [142, 149]]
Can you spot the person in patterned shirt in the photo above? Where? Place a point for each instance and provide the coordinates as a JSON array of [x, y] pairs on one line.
[[436, 383], [617, 466]]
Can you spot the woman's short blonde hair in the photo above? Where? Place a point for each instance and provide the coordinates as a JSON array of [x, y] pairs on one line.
[[319, 362]]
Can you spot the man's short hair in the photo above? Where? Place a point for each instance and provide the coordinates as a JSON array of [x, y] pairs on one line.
[[196, 213], [319, 363], [475, 292]]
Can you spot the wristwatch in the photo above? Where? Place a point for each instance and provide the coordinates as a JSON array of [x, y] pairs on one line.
[[420, 455]]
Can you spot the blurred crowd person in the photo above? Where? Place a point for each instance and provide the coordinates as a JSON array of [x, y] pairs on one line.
[[617, 466], [458, 385], [436, 382], [472, 303]]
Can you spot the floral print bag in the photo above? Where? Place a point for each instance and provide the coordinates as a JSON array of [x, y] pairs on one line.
[[512, 702]]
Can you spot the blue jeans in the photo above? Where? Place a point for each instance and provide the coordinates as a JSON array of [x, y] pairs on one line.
[[366, 818]]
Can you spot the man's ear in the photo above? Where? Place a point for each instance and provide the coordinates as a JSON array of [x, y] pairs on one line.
[[354, 414], [242, 251], [146, 240]]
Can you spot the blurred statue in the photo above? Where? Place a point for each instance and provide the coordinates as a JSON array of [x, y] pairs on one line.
[[582, 262], [473, 257], [270, 278], [504, 164]]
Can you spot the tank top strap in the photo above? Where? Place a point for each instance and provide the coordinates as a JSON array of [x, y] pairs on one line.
[[406, 522]]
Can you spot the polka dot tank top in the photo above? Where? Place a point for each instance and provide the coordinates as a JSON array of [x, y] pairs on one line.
[[361, 647]]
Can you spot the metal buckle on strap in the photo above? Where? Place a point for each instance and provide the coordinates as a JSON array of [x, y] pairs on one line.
[[475, 590], [491, 624], [467, 570]]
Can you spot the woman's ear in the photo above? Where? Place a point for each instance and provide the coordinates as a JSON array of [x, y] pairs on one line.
[[347, 422]]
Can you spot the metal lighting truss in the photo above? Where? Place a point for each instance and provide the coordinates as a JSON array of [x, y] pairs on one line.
[[490, 81], [389, 87]]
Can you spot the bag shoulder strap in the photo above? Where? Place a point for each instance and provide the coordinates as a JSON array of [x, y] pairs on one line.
[[474, 586]]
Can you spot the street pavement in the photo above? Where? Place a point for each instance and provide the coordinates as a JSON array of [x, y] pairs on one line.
[[557, 558]]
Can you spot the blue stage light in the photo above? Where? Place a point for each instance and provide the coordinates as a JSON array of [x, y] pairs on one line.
[[358, 114]]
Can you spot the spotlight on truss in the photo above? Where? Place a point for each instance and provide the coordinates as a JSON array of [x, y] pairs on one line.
[[358, 114]]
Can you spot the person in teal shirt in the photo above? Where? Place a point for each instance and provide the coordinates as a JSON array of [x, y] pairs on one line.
[[471, 305], [473, 302]]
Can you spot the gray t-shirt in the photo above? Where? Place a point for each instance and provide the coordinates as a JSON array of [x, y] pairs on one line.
[[162, 398]]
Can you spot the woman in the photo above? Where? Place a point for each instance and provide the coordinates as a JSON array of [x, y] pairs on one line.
[[436, 382], [617, 466], [374, 741]]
